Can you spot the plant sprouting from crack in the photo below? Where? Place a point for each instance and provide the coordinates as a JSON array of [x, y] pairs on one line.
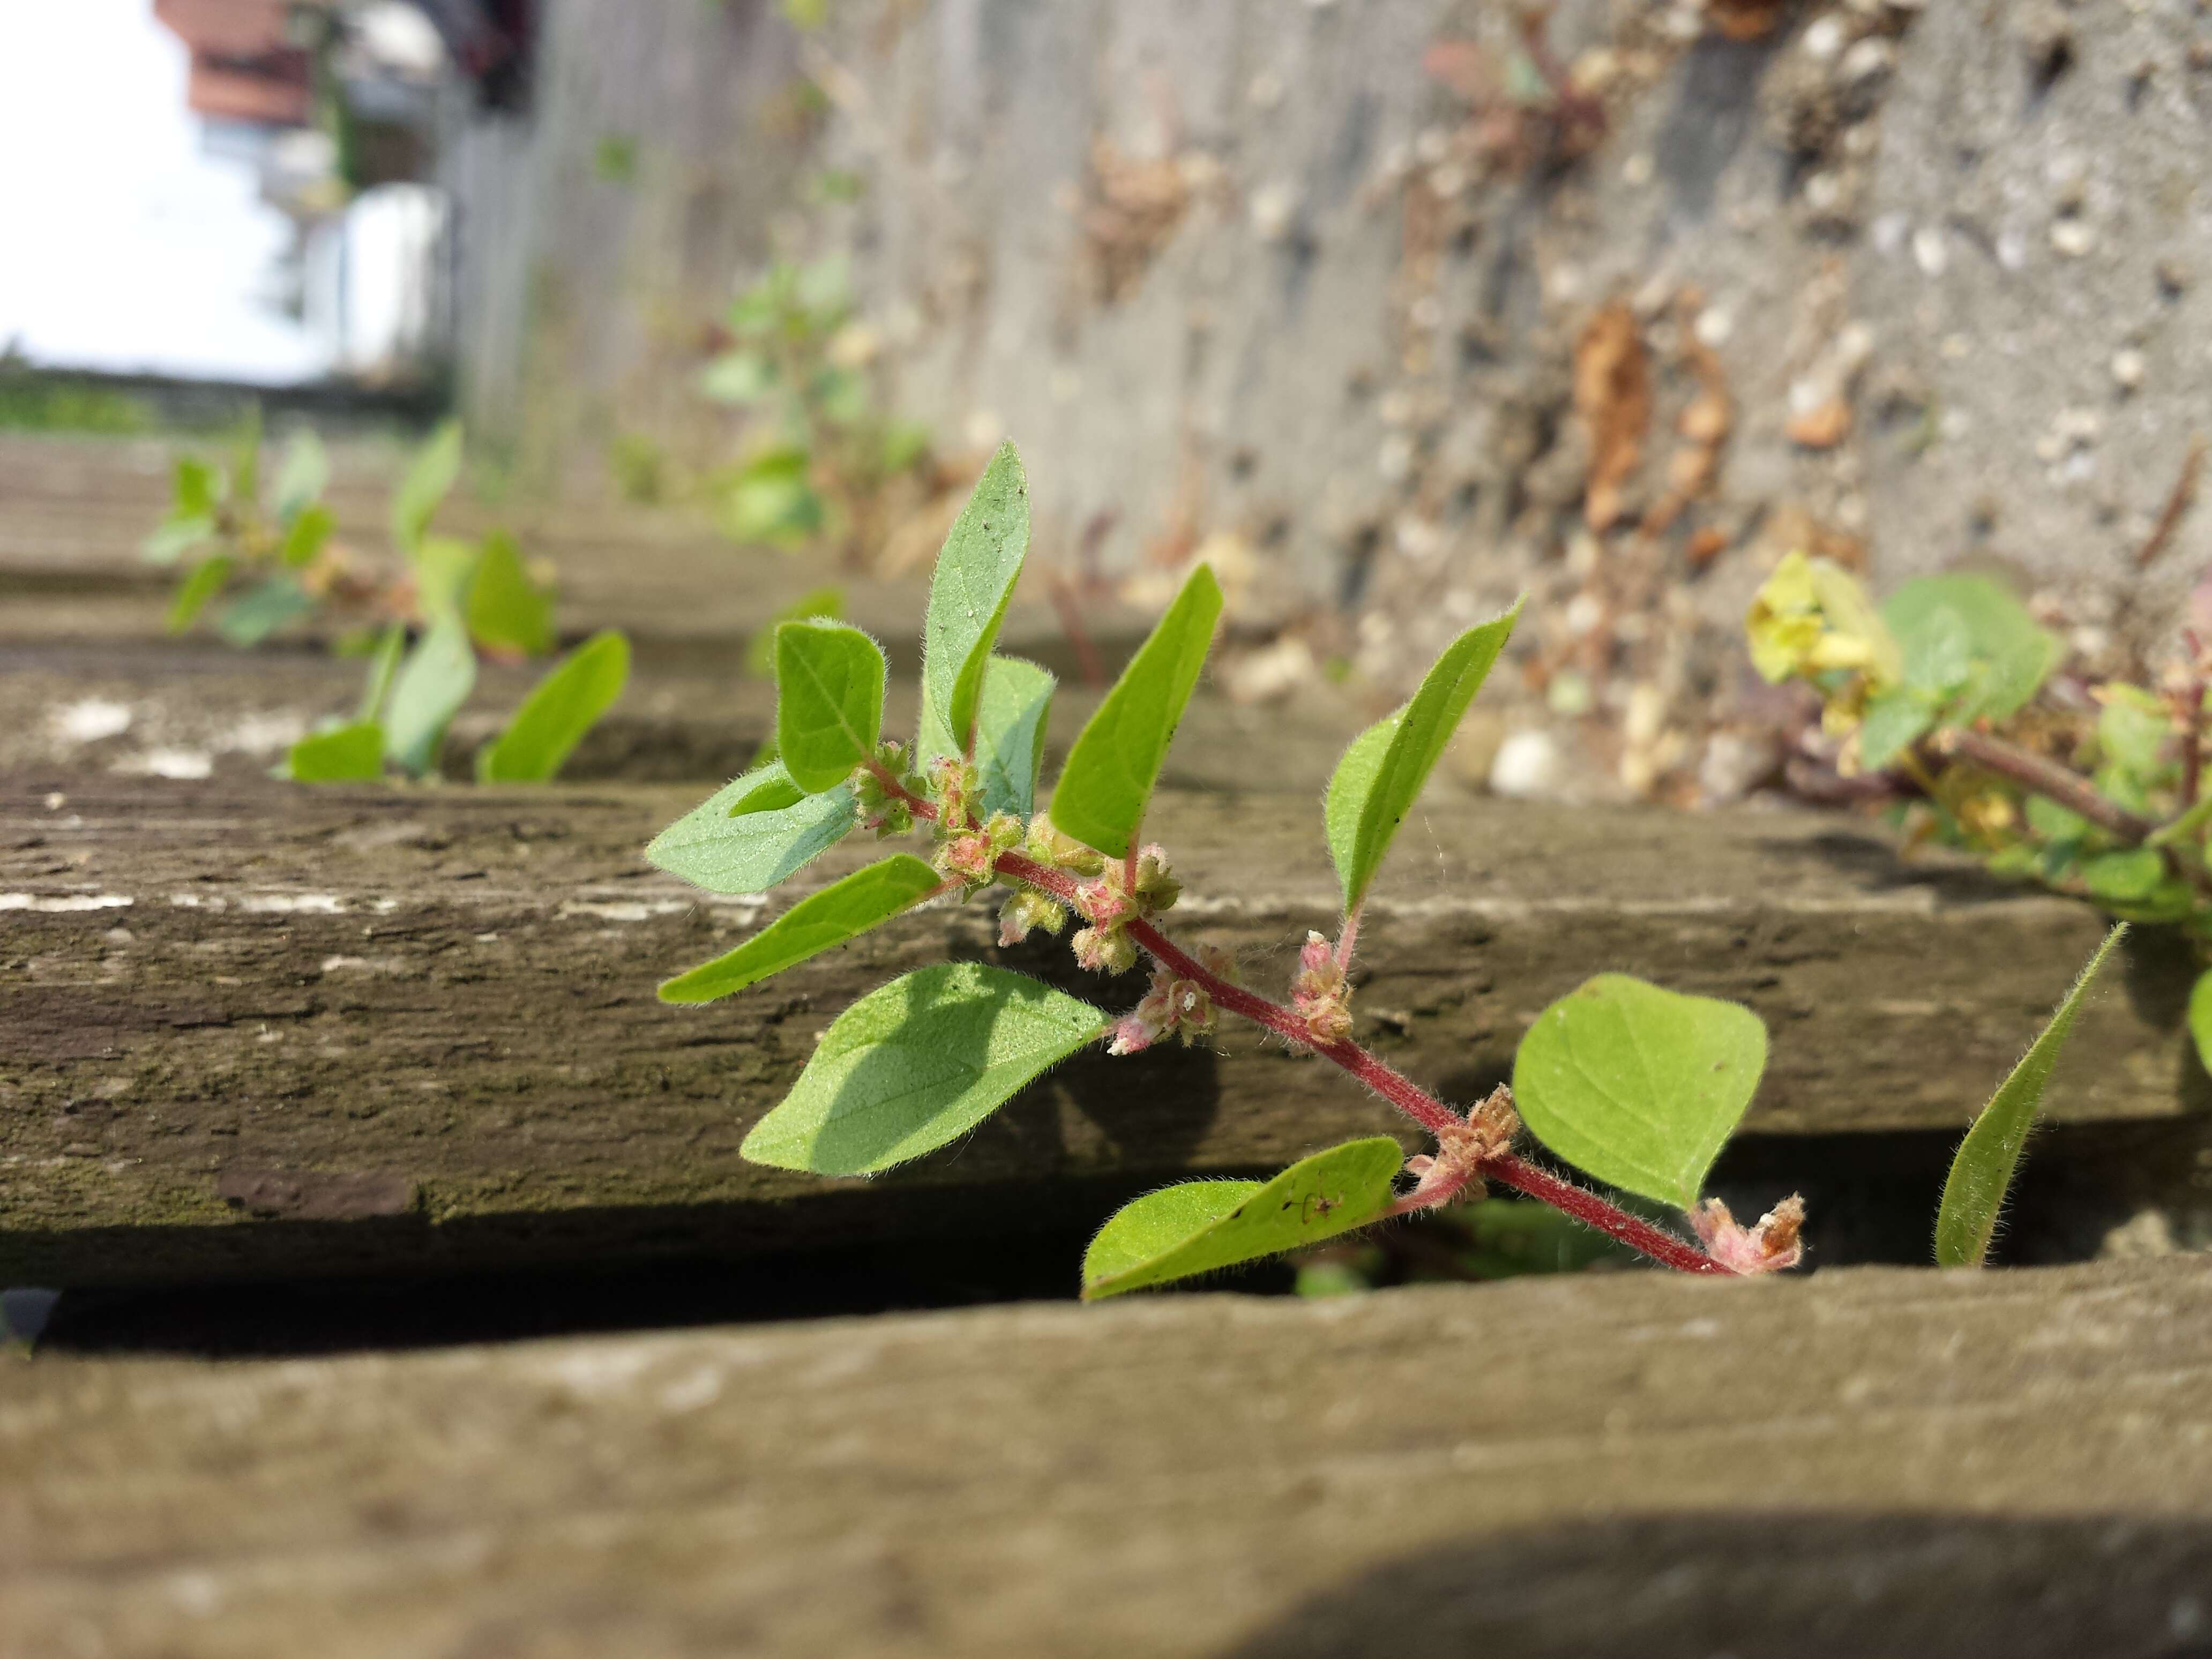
[[422, 623], [1638, 1086]]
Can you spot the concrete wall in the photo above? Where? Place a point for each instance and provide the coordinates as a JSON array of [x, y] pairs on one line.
[[1247, 265]]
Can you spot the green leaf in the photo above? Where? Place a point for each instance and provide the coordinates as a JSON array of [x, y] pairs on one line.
[[1200, 1226], [508, 611], [1982, 1172], [2132, 729], [344, 754], [195, 488], [175, 537], [305, 538], [917, 1064], [770, 498], [1895, 719], [976, 570], [2123, 877], [429, 476], [554, 717], [245, 456], [2200, 1018], [2011, 656], [444, 567], [752, 832], [737, 377], [1383, 773], [204, 581], [1938, 654], [263, 609], [828, 700], [819, 605], [302, 477], [1638, 1085], [1102, 790], [1010, 725], [383, 665], [2053, 822], [430, 688], [841, 911]]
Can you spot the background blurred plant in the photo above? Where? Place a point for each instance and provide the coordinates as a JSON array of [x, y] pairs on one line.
[[820, 460], [421, 619], [1954, 708]]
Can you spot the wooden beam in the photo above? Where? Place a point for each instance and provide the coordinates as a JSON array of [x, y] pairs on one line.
[[1861, 1462], [256, 1027]]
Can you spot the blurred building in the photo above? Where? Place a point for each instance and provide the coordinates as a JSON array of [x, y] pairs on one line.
[[246, 65]]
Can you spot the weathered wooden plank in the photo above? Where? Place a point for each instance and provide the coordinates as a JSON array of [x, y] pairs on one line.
[[1864, 1462], [256, 1027], [690, 715]]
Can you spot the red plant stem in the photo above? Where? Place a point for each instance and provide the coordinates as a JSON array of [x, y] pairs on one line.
[[1401, 1091]]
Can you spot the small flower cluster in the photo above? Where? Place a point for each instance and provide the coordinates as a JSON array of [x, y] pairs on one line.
[[1772, 1245], [1462, 1149], [1172, 1004], [876, 805], [1109, 904], [1319, 993]]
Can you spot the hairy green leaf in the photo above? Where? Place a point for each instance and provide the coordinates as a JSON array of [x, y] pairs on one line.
[[344, 754], [1383, 773], [305, 537], [752, 832], [429, 690], [263, 609], [1981, 1174], [828, 700], [818, 604], [428, 479], [554, 717], [2010, 655], [841, 911], [1638, 1085], [1102, 791], [1200, 1226], [203, 583], [975, 574], [302, 475], [1010, 725], [918, 1063]]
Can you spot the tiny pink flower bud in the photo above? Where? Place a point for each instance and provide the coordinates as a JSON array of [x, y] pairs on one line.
[[1221, 962], [1157, 888], [967, 856], [1101, 903], [1318, 994], [1132, 1035], [1776, 1242], [1025, 910], [1104, 951]]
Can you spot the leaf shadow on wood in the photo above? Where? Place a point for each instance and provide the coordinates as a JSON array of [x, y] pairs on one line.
[[1810, 1585]]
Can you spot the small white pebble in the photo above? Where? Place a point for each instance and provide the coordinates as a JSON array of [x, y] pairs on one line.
[[1930, 252], [1526, 767], [2129, 366], [2072, 237], [1715, 324], [1824, 39], [1637, 170], [89, 720]]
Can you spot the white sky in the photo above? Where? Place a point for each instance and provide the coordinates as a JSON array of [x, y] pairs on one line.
[[121, 246]]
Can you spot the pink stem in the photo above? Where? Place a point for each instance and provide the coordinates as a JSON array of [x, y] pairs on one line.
[[916, 804], [1401, 1091], [1345, 935]]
